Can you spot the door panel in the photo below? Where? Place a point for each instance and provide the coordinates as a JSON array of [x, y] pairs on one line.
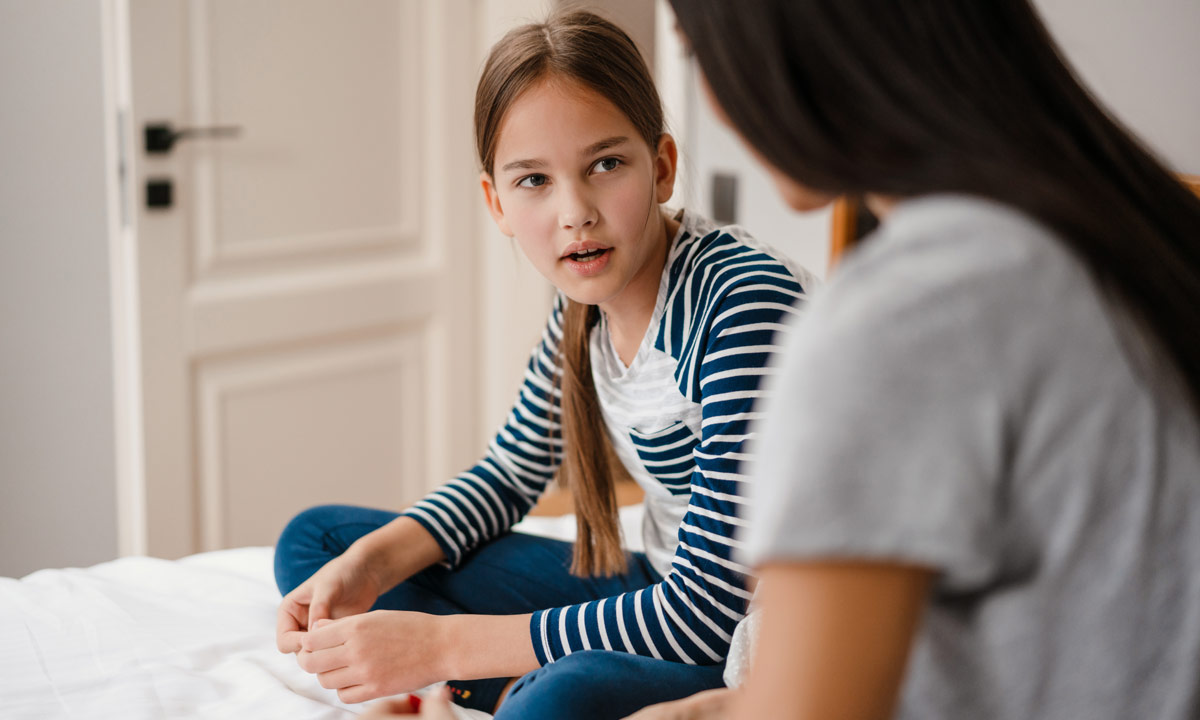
[[326, 424], [306, 307], [342, 83]]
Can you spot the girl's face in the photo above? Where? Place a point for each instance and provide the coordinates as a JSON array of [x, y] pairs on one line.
[[579, 189]]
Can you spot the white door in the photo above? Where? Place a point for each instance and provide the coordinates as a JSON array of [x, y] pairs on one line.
[[306, 301]]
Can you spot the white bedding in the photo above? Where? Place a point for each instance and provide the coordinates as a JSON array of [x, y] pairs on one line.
[[147, 638]]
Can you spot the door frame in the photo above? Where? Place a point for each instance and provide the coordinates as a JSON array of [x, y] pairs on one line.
[[124, 301]]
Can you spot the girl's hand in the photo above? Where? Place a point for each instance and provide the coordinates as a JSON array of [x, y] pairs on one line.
[[708, 705], [367, 656], [343, 587], [435, 706]]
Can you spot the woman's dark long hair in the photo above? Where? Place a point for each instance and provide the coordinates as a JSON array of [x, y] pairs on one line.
[[909, 97]]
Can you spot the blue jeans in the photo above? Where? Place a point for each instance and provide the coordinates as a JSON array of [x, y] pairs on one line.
[[512, 574]]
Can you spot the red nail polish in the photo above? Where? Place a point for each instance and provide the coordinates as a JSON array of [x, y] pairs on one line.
[[415, 702]]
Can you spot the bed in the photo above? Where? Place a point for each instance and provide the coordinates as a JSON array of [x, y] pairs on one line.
[[148, 638]]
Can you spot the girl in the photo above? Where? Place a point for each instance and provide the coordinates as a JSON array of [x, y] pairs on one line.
[[977, 492], [649, 363]]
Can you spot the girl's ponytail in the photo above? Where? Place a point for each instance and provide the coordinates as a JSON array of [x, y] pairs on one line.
[[588, 459]]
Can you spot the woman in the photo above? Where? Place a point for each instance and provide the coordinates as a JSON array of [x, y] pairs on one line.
[[978, 490]]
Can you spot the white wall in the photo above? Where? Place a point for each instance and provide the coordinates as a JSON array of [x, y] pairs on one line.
[[57, 476], [713, 148], [1142, 60]]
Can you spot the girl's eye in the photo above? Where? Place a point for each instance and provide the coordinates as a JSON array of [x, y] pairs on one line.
[[606, 165], [532, 181]]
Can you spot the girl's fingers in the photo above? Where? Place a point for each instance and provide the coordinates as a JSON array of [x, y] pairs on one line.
[[290, 621], [290, 642], [328, 634], [340, 679], [318, 609], [355, 694], [321, 661]]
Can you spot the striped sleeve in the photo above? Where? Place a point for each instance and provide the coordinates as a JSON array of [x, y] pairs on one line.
[[690, 615], [485, 501]]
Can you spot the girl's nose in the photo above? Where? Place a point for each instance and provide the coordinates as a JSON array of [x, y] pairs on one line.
[[576, 211]]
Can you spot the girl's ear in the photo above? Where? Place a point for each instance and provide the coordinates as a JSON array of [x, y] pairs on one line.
[[664, 168], [492, 199]]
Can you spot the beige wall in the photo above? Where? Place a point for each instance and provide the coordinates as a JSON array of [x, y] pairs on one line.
[[636, 17], [57, 466]]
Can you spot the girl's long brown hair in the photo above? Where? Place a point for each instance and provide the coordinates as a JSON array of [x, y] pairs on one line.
[[584, 48]]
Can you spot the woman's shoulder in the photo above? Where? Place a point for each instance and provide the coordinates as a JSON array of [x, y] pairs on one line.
[[941, 233], [963, 278], [944, 248]]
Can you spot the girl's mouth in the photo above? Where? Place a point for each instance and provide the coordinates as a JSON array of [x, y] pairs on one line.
[[586, 255], [587, 262]]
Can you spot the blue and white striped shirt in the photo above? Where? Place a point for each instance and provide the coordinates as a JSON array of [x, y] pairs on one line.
[[722, 299]]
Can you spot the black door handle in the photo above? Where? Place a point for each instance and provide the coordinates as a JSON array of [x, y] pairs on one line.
[[161, 137]]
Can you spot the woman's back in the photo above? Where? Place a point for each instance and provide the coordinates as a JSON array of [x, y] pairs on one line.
[[960, 399]]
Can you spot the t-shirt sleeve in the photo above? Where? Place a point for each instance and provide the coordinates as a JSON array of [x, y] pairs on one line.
[[885, 434], [486, 500]]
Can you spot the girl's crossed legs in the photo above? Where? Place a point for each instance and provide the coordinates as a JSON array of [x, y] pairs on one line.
[[512, 574]]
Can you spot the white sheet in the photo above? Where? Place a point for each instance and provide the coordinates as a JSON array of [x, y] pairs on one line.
[[147, 638]]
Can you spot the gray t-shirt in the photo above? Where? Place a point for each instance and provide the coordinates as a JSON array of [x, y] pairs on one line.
[[958, 398]]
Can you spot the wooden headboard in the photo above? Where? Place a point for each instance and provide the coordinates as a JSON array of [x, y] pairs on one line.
[[848, 216]]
